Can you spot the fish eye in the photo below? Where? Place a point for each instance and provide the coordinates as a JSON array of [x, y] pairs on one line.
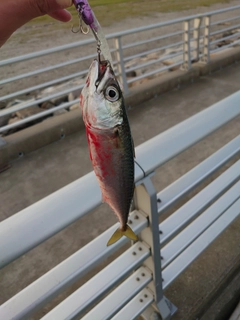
[[112, 94]]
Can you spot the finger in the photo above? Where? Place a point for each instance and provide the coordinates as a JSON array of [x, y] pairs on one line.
[[40, 7], [15, 13], [61, 15]]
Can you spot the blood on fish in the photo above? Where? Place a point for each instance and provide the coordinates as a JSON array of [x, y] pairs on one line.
[[88, 82], [96, 141], [102, 67]]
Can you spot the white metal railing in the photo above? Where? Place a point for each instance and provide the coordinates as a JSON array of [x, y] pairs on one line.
[[194, 36], [163, 251]]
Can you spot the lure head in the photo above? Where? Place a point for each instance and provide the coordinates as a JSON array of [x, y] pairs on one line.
[[85, 10], [101, 99]]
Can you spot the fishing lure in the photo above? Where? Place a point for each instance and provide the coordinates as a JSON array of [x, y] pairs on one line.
[[87, 16], [85, 13]]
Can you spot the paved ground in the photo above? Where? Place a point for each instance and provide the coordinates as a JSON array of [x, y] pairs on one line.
[[42, 172]]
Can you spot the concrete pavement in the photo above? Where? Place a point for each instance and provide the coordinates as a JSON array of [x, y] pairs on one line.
[[44, 171]]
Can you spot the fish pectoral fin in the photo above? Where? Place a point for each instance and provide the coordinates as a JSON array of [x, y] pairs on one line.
[[119, 233], [116, 138]]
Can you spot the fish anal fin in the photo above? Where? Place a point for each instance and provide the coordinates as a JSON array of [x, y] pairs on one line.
[[119, 233]]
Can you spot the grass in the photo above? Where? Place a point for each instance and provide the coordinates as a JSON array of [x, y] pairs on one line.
[[109, 11]]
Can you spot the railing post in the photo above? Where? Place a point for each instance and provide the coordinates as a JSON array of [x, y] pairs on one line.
[[187, 64], [196, 36], [206, 48], [145, 200], [120, 64]]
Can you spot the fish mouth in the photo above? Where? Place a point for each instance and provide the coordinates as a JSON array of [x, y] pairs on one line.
[[103, 66]]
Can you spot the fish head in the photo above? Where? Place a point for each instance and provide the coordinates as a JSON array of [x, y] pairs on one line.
[[101, 99]]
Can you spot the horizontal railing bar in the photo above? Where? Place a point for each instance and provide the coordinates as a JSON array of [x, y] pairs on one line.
[[17, 229], [181, 217], [38, 293], [21, 227], [43, 85], [225, 47], [173, 141], [130, 45], [38, 115], [116, 300], [153, 50], [21, 106], [33, 73], [171, 272], [46, 69], [225, 38], [150, 73], [115, 35], [68, 199], [41, 114], [155, 61], [175, 21], [55, 81], [74, 263], [46, 52], [66, 78], [72, 307], [136, 306], [92, 291], [238, 144], [188, 182], [187, 133], [198, 226], [223, 21], [224, 30]]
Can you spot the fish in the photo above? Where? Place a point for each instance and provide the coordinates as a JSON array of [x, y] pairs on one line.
[[110, 142]]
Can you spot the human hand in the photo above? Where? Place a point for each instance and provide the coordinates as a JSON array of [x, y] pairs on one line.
[[15, 13]]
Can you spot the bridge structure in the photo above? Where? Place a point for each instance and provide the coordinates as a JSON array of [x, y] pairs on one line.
[[177, 216]]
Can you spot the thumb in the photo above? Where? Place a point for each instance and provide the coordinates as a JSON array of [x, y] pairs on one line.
[[15, 13]]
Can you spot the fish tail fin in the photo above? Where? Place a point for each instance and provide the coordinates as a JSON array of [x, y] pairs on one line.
[[119, 233]]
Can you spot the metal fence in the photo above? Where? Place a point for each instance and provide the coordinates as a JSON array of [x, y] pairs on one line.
[[140, 275], [193, 38]]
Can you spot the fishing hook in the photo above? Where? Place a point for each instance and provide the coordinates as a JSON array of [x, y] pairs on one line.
[[99, 51], [99, 43], [80, 27]]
